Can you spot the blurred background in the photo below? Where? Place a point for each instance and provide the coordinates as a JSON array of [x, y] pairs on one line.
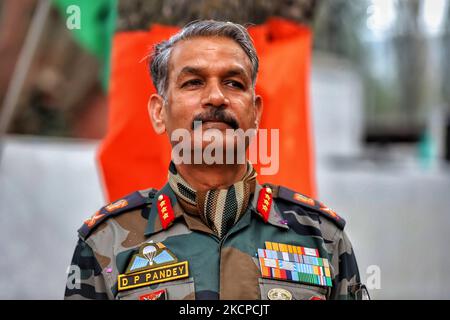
[[380, 106]]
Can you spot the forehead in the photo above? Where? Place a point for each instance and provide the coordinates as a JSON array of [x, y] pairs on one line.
[[214, 53]]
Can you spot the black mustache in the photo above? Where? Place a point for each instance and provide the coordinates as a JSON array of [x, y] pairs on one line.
[[216, 115]]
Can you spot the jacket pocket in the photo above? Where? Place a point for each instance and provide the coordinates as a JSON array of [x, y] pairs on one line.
[[173, 290], [296, 291]]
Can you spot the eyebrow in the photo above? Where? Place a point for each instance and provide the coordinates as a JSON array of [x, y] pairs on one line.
[[190, 70], [235, 71]]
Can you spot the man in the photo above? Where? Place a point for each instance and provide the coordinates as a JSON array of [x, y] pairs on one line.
[[212, 232]]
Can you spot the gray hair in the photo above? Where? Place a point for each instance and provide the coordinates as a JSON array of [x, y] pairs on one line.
[[159, 61]]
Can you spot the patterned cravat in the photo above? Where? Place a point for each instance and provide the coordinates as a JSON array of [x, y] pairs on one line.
[[220, 209]]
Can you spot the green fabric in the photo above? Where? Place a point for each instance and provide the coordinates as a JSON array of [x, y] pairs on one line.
[[228, 268], [96, 29]]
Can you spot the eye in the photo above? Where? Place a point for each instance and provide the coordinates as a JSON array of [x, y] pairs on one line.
[[235, 84], [192, 83]]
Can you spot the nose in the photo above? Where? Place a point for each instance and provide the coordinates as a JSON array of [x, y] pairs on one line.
[[214, 96]]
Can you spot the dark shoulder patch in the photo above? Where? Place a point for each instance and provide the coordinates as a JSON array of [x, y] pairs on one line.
[[132, 201], [309, 203]]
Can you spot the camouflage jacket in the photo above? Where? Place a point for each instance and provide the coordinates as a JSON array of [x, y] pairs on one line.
[[227, 268]]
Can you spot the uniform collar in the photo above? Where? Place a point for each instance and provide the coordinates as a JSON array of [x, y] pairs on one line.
[[275, 217], [154, 224], [195, 223]]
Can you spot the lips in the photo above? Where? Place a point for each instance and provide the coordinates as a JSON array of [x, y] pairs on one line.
[[216, 125]]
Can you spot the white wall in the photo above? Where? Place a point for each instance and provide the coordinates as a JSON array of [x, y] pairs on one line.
[[47, 188], [397, 211]]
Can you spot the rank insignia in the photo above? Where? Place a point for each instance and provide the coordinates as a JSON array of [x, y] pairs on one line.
[[93, 219], [116, 205], [329, 211], [264, 203], [294, 263], [310, 204], [304, 199], [154, 263], [165, 211]]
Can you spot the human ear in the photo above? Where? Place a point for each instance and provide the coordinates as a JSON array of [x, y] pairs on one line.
[[156, 113], [258, 110]]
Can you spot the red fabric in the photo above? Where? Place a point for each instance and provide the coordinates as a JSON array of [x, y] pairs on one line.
[[264, 203], [133, 157], [165, 211]]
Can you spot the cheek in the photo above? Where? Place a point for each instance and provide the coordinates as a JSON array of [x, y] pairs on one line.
[[181, 110], [245, 110]]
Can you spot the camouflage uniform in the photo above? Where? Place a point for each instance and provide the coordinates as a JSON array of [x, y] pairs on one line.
[[226, 268]]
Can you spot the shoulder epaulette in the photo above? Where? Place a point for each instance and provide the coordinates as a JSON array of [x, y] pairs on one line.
[[309, 203], [132, 201]]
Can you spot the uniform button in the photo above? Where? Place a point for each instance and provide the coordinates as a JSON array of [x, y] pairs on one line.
[[268, 190], [160, 198]]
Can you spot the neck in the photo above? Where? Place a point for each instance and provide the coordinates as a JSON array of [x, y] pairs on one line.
[[210, 177]]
